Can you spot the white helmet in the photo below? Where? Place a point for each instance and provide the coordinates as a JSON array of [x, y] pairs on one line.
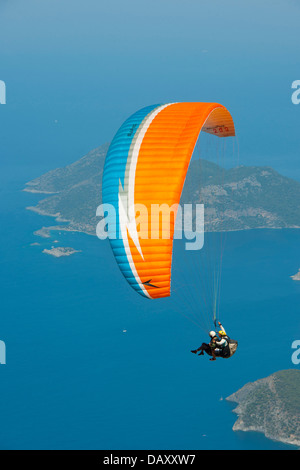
[[212, 334]]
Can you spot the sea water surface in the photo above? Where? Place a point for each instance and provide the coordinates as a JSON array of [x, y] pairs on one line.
[[75, 379]]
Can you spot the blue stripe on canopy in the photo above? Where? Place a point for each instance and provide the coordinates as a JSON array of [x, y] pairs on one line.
[[113, 174]]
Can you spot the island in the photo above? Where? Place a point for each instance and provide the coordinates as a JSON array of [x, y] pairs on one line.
[[296, 277], [271, 406], [250, 197], [59, 251]]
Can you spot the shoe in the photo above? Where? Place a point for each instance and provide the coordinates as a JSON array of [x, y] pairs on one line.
[[201, 353], [194, 351]]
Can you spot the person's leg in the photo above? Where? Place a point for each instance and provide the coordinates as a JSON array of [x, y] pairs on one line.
[[204, 347]]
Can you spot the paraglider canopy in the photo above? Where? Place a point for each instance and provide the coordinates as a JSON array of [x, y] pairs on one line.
[[146, 165]]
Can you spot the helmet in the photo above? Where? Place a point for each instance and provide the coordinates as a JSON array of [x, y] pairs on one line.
[[212, 334], [222, 333]]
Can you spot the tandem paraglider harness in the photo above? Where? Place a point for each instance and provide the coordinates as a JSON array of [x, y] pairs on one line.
[[231, 347], [228, 351]]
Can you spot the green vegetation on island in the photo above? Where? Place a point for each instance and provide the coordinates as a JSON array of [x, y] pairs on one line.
[[271, 406], [248, 198]]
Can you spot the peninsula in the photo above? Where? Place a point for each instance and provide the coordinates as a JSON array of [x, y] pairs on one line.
[[271, 406], [251, 197]]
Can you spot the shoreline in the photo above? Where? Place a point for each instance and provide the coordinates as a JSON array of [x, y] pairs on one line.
[[240, 428], [71, 228], [296, 277], [260, 407]]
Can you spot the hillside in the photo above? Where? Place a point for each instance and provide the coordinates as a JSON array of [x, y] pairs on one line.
[[248, 198], [271, 406]]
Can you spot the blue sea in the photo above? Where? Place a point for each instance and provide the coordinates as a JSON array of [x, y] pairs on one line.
[[74, 379]]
